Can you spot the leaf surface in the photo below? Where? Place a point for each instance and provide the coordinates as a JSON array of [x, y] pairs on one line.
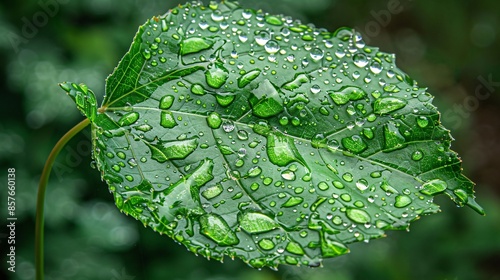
[[251, 135]]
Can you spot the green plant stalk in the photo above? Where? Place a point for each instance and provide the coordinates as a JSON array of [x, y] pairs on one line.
[[42, 187]]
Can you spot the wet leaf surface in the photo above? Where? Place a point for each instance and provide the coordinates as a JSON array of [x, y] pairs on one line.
[[255, 136]]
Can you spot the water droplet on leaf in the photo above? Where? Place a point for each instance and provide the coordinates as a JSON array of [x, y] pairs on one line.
[[387, 105], [216, 228], [433, 187]]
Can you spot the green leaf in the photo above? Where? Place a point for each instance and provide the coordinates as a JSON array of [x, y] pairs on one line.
[[255, 136]]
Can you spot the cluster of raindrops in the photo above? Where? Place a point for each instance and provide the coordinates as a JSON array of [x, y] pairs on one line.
[[311, 138]]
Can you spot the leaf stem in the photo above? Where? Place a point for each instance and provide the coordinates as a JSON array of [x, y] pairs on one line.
[[44, 179]]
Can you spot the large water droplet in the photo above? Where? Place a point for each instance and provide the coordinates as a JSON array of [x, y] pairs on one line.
[[262, 38], [225, 100], [433, 187], [242, 135], [272, 47], [214, 120], [358, 215], [288, 175], [354, 144], [376, 67], [248, 77], [295, 248], [402, 201], [360, 60], [216, 228], [254, 171], [216, 76], [164, 151], [297, 81], [346, 94], [422, 121], [417, 155], [323, 186], [128, 119], [265, 100], [254, 222], [266, 244], [217, 16], [195, 44], [316, 54], [388, 188], [462, 195], [166, 102], [387, 105], [274, 20], [362, 184], [228, 126], [281, 150], [393, 138], [167, 119], [293, 201], [212, 191], [197, 89]]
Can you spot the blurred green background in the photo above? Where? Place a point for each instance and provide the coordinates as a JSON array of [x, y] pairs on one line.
[[449, 46]]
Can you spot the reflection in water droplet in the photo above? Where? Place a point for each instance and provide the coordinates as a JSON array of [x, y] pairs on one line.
[[358, 215], [166, 102], [254, 222], [216, 76], [346, 94], [393, 138], [417, 155], [323, 186], [214, 120], [164, 151], [293, 201], [262, 38], [433, 187], [387, 105], [362, 184], [194, 45], [197, 89], [248, 77], [212, 191], [462, 195], [228, 126], [316, 54], [265, 100], [422, 121], [167, 119], [216, 228], [254, 171], [128, 119], [295, 248], [266, 244], [402, 201], [272, 47], [288, 175], [360, 60], [354, 144]]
